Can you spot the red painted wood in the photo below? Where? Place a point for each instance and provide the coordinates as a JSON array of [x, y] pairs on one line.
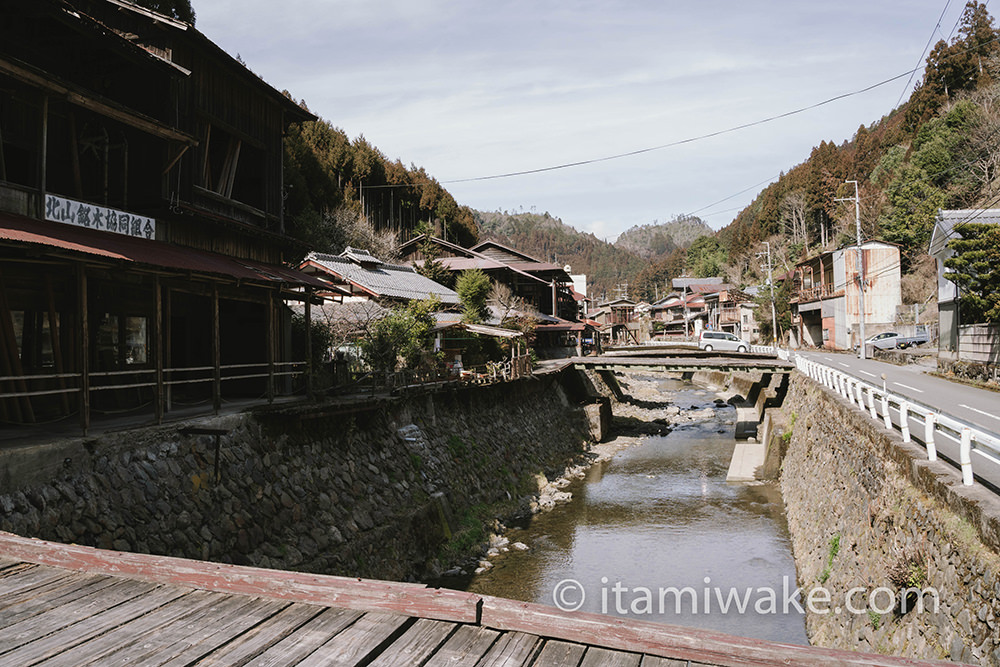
[[670, 641], [344, 592]]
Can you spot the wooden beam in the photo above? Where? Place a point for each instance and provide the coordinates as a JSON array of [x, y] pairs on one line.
[[309, 367], [270, 348], [216, 352], [7, 327], [103, 106], [84, 351], [158, 349], [56, 340]]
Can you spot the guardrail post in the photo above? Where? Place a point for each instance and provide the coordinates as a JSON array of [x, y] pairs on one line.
[[904, 420], [929, 437], [885, 412], [861, 396], [871, 402], [965, 456]]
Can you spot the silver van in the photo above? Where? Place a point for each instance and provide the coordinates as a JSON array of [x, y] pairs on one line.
[[722, 341]]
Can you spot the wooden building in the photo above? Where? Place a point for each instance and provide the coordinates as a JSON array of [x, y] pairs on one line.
[[142, 238], [544, 286]]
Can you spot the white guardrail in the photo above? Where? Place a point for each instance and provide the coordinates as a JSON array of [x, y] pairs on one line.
[[935, 424], [767, 349]]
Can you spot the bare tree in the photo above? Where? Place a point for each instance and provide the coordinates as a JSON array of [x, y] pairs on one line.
[[346, 227], [793, 214]]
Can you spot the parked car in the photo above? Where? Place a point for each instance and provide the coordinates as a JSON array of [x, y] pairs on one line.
[[722, 341], [889, 340]]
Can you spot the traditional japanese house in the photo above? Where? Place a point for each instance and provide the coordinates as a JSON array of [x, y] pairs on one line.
[[142, 237], [544, 286]]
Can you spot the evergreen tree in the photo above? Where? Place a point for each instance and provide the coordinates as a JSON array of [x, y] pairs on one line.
[[473, 287], [975, 268]]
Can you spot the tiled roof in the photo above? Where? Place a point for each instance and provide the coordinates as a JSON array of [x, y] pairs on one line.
[[382, 279]]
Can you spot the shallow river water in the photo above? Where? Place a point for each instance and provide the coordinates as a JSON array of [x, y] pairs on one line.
[[658, 534]]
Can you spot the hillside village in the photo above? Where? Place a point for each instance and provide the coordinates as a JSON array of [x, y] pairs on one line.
[[189, 277]]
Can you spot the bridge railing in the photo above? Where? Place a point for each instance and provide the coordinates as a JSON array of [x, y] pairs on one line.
[[768, 349], [910, 416]]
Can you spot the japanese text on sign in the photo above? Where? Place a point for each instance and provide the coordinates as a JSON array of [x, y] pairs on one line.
[[58, 209]]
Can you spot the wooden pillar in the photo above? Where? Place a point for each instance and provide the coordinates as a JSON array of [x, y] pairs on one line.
[[270, 346], [167, 333], [216, 352], [56, 338], [158, 349], [43, 146], [12, 360], [309, 356], [84, 352]]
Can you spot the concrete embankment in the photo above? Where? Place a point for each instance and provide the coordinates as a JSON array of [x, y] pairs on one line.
[[869, 513], [372, 490]]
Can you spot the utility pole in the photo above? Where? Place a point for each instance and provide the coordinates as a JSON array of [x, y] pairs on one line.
[[861, 269], [770, 281]]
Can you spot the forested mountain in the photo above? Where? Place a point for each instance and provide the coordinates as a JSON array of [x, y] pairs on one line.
[[660, 239], [938, 150], [548, 239], [332, 182]]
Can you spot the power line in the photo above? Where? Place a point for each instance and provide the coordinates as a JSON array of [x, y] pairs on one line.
[[924, 52]]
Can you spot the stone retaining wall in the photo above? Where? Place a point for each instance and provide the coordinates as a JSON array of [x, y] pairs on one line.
[[867, 510], [371, 491]]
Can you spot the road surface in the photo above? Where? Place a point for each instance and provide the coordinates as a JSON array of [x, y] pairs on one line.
[[979, 408]]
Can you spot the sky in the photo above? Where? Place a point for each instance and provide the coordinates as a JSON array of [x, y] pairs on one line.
[[470, 90]]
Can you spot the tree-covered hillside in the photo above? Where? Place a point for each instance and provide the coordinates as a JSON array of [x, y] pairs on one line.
[[658, 240], [939, 150]]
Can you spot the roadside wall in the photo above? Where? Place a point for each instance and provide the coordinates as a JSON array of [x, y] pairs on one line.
[[365, 491], [867, 510]]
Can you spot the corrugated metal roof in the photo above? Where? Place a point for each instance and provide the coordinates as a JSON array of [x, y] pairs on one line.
[[382, 279], [944, 226], [122, 248]]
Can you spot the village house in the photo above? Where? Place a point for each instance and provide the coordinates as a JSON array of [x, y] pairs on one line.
[[973, 342], [357, 274], [143, 242], [546, 287], [825, 301]]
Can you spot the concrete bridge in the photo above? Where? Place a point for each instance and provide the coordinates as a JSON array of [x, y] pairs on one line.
[[681, 361], [71, 605]]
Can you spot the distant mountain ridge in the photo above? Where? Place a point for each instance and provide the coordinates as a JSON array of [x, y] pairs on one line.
[[608, 266], [659, 239]]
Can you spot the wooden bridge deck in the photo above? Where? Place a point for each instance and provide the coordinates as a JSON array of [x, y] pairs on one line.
[[71, 605]]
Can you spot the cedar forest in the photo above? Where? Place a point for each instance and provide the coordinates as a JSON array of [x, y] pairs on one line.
[[938, 150]]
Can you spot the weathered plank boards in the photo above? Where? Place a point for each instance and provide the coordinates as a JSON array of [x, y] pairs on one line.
[[136, 611], [345, 592]]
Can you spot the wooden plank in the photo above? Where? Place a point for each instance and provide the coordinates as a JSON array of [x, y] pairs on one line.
[[127, 631], [345, 592], [512, 649], [307, 639], [223, 619], [262, 637], [64, 595], [68, 638], [70, 612], [668, 641], [358, 644], [223, 630], [465, 647], [602, 657], [419, 642], [653, 661], [12, 588], [559, 654]]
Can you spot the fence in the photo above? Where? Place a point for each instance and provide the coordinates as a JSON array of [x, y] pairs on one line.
[[881, 404], [979, 343]]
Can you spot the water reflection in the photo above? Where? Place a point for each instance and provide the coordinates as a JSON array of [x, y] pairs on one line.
[[661, 515]]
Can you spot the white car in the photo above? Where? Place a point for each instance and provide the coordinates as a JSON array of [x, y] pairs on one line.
[[722, 341]]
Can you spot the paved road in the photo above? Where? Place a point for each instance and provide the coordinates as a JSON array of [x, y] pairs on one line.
[[979, 408]]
